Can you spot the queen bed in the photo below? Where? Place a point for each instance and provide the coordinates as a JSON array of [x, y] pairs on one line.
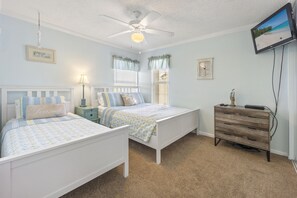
[[48, 157], [155, 126]]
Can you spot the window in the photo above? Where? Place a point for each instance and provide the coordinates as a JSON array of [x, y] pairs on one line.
[[125, 77], [160, 80], [159, 65], [125, 71]]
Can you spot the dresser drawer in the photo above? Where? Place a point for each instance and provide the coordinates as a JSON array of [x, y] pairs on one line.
[[242, 140], [238, 119], [91, 114], [243, 131]]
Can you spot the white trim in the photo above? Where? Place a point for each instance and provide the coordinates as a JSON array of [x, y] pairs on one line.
[[207, 134], [204, 37], [294, 165], [291, 89], [64, 30], [282, 153]]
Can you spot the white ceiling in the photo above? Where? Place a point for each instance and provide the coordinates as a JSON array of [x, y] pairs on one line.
[[188, 19]]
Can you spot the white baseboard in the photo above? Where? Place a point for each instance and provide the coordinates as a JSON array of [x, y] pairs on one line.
[[295, 165], [272, 150], [206, 134], [279, 152]]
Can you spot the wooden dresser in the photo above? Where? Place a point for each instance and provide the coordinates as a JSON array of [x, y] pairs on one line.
[[248, 127]]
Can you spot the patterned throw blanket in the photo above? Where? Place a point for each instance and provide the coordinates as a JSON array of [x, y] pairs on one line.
[[16, 123], [141, 127]]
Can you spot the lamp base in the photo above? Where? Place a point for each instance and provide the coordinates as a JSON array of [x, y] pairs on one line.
[[83, 103]]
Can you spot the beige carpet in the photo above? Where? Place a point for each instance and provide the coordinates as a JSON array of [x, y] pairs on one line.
[[194, 167]]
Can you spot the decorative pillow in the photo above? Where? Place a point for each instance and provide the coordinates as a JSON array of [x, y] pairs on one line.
[[17, 104], [100, 99], [128, 100], [138, 97], [45, 111], [27, 100], [111, 99]]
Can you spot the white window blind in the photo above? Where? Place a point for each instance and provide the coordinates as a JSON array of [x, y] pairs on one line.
[[125, 77], [160, 80]]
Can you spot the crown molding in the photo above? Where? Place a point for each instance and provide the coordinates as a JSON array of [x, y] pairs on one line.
[[135, 51], [204, 37], [63, 29]]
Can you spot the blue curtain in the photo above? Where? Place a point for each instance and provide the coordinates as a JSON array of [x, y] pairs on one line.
[[119, 62], [159, 62]]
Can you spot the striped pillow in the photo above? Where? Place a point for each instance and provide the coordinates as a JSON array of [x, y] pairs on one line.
[[111, 99], [137, 97], [27, 100]]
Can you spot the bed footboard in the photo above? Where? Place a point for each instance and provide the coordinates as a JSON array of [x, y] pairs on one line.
[[171, 129], [57, 170]]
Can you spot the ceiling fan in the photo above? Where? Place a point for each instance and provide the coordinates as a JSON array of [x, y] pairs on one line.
[[139, 26]]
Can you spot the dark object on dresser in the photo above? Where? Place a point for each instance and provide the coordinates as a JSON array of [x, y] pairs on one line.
[[254, 107], [248, 127]]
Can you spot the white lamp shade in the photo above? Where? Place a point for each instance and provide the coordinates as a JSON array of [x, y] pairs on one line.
[[137, 37], [83, 79]]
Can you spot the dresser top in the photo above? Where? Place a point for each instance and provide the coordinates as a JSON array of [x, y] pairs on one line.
[[242, 108]]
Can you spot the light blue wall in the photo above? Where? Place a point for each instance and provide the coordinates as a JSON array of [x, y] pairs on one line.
[[235, 66], [74, 56]]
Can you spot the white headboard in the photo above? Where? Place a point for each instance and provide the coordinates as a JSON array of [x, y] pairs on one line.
[[10, 94], [117, 89]]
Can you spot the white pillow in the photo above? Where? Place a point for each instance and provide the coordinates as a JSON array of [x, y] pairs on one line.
[[18, 107]]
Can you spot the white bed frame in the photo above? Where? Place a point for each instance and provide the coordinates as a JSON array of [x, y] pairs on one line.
[[168, 129], [57, 170]]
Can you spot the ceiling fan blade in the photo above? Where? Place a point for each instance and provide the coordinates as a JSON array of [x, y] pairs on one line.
[[150, 17], [118, 34], [116, 20], [160, 32]]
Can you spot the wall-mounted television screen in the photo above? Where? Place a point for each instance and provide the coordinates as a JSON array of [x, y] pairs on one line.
[[276, 30]]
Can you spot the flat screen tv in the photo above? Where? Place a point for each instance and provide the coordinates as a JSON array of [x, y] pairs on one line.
[[276, 30]]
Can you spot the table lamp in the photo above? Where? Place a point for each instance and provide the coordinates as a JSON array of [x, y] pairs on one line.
[[83, 81]]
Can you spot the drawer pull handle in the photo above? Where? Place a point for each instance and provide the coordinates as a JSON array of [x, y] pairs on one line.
[[251, 139], [227, 123], [252, 128], [91, 115], [251, 117]]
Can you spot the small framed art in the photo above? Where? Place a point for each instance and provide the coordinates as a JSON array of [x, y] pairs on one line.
[[40, 54], [205, 69]]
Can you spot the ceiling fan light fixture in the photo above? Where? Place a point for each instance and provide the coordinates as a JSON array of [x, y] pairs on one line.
[[137, 37]]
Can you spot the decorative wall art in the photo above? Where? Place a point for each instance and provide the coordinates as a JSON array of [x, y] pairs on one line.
[[40, 54], [205, 69]]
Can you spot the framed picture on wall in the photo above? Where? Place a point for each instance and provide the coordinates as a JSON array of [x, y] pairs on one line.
[[40, 54], [205, 69]]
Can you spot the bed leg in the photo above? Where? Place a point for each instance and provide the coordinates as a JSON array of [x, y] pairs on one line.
[[158, 156], [126, 169]]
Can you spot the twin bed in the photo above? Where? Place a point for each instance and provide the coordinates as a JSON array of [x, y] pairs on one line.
[[73, 153], [50, 157]]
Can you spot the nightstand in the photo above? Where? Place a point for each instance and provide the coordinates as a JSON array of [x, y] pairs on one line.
[[90, 113]]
